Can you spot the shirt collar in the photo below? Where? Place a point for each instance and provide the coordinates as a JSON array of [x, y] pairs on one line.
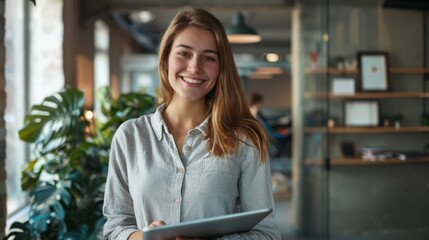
[[159, 125], [203, 126], [158, 122]]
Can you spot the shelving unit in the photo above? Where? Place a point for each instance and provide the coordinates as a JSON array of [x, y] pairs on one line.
[[324, 95]]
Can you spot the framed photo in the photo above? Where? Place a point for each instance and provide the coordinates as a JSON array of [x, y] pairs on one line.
[[374, 71], [361, 113], [348, 149], [343, 86]]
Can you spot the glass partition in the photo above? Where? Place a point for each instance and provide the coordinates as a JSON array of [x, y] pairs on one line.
[[311, 158], [360, 132]]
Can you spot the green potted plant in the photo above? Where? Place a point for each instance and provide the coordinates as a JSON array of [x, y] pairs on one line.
[[66, 176]]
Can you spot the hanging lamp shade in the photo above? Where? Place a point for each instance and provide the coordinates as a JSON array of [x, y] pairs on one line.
[[239, 32]]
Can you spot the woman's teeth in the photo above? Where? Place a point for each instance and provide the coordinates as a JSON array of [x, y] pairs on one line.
[[191, 80]]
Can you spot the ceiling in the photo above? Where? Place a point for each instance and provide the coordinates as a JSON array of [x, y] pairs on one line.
[[270, 18]]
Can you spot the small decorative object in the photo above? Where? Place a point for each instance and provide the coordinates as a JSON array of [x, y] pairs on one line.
[[374, 71], [397, 119], [343, 86], [350, 64], [313, 60], [348, 149], [361, 113], [332, 122], [338, 62], [386, 122]]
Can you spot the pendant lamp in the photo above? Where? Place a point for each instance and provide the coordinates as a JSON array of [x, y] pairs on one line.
[[240, 33]]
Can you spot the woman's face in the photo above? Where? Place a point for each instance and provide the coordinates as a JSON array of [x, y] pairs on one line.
[[193, 64]]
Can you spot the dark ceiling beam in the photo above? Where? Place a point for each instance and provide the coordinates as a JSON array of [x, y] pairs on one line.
[[93, 10], [143, 38]]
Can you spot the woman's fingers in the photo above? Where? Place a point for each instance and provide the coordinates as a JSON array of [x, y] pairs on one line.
[[156, 224]]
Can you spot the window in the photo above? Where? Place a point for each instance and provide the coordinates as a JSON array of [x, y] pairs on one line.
[[34, 70], [15, 108], [101, 61]]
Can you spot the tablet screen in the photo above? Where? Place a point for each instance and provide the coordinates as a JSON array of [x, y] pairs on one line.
[[208, 227]]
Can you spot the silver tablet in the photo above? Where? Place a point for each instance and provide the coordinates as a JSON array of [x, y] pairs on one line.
[[208, 227]]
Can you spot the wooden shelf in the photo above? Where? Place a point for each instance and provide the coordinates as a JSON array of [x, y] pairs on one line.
[[367, 95], [334, 71], [347, 130], [337, 71], [360, 161]]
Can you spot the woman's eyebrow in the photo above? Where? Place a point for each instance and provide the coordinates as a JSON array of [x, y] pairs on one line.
[[189, 47]]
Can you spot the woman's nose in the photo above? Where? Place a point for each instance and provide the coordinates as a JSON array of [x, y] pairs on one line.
[[195, 66]]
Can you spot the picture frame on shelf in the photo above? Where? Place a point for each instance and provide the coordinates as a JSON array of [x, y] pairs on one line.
[[343, 86], [374, 71], [348, 149], [361, 113]]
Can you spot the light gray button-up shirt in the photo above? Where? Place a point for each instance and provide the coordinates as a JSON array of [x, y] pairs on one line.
[[150, 180]]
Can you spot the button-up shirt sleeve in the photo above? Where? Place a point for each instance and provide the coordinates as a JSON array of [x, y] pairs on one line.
[[118, 205], [255, 193]]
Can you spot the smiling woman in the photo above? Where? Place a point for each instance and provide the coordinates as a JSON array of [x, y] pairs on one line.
[[196, 156]]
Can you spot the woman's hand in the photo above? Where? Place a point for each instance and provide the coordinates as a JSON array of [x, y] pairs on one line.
[[138, 235], [156, 224], [160, 223]]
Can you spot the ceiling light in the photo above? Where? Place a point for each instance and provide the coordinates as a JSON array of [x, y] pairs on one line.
[[239, 32], [142, 16], [272, 57]]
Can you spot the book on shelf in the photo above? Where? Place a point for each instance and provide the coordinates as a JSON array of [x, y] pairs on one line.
[[410, 155], [380, 154], [375, 153]]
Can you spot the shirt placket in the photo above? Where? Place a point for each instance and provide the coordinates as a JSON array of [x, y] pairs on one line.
[[181, 171], [177, 183]]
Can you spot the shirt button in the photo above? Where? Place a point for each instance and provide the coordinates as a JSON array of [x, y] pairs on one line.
[[178, 200], [188, 147], [180, 170]]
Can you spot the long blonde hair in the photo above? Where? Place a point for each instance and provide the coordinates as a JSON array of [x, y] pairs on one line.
[[230, 115]]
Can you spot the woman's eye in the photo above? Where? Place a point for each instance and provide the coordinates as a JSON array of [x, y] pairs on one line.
[[210, 59], [183, 54]]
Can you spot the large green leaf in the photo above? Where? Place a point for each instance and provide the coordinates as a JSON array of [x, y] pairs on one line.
[[30, 175], [56, 121], [50, 198]]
